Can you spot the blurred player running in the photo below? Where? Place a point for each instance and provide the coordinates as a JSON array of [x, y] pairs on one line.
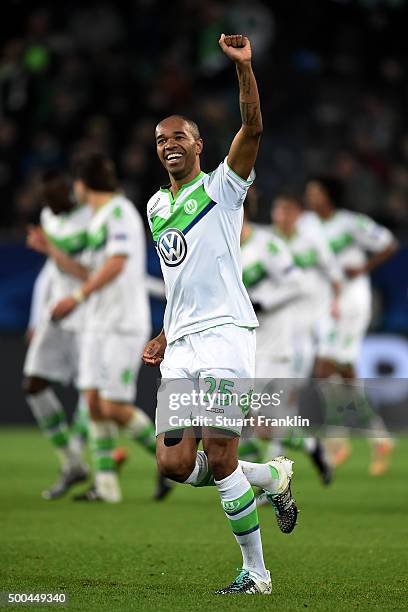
[[281, 290], [117, 319], [350, 236], [208, 337], [41, 301], [53, 352], [310, 252]]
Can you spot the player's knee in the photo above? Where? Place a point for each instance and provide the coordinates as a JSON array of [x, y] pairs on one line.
[[32, 385], [108, 409], [176, 466]]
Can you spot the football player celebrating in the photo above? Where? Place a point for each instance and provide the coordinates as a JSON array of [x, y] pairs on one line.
[[208, 338]]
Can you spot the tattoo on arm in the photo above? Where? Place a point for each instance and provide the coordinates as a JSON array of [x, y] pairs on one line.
[[249, 98], [250, 113], [245, 84]]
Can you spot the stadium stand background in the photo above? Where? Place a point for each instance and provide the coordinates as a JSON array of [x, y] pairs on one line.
[[77, 76]]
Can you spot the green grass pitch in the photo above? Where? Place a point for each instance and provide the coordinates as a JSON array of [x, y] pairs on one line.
[[349, 551]]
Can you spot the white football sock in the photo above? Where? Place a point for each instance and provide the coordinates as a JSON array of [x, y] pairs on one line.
[[271, 476], [50, 416], [238, 501], [200, 471]]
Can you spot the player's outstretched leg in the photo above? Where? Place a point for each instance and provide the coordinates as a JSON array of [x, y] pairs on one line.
[[178, 459], [238, 502], [50, 416], [274, 477]]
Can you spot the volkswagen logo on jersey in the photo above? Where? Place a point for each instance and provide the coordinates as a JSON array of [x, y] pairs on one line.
[[172, 247], [190, 206]]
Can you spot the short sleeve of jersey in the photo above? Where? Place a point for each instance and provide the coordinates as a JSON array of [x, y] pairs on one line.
[[370, 235], [44, 217], [226, 188], [119, 239]]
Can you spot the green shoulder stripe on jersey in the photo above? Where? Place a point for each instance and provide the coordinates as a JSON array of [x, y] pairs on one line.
[[253, 274], [75, 243], [273, 248], [98, 239], [184, 214], [306, 259], [118, 212], [363, 222], [339, 243]]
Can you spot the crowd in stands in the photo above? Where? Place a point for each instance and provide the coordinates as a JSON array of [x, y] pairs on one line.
[[332, 76]]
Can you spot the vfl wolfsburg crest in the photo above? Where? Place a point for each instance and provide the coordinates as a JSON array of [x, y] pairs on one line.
[[190, 206], [172, 247], [230, 506]]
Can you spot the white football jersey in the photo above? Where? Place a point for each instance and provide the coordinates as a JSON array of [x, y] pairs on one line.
[[197, 238], [350, 235], [273, 282], [41, 295], [68, 232], [311, 253], [116, 228]]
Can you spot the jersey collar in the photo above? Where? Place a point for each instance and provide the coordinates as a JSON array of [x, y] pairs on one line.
[[166, 188]]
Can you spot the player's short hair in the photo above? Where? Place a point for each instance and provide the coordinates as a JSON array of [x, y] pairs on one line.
[[291, 196], [333, 187], [55, 189], [195, 130], [96, 170]]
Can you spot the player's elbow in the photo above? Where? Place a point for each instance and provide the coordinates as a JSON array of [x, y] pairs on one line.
[[117, 264], [394, 247], [253, 131], [83, 275], [388, 252]]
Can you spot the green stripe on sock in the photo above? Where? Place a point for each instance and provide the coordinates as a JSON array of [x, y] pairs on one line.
[[235, 506], [51, 421], [105, 464], [102, 444], [59, 438], [80, 430], [246, 523], [80, 424], [147, 437]]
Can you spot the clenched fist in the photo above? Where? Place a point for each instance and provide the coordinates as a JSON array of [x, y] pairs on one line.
[[236, 47], [63, 308], [153, 353]]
